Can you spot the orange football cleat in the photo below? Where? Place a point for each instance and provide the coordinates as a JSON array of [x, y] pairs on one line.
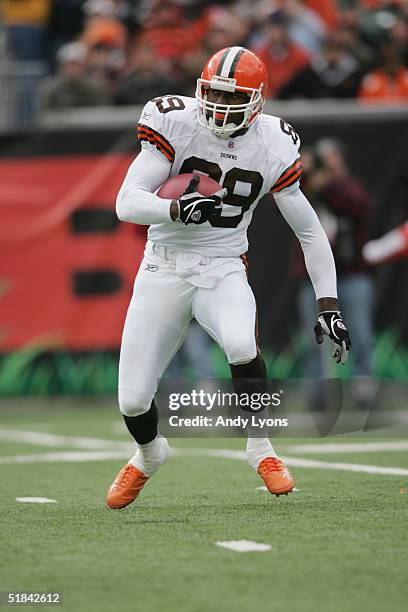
[[126, 487], [276, 476]]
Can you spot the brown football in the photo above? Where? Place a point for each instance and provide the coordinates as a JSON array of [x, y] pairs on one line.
[[175, 186]]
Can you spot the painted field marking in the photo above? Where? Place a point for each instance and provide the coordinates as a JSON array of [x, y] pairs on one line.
[[36, 500], [46, 439], [74, 456], [66, 457], [263, 488], [348, 447], [54, 440], [244, 546], [296, 461], [111, 449]]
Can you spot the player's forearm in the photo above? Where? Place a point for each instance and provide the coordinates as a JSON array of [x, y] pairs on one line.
[[136, 201], [316, 248], [319, 262], [135, 205]]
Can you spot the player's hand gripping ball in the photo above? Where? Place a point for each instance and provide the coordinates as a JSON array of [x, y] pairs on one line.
[[199, 197]]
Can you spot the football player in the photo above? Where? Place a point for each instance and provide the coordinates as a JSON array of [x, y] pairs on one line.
[[194, 264]]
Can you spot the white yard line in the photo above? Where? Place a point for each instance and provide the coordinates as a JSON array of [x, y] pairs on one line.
[[345, 467], [103, 455], [46, 439], [87, 443], [296, 461], [66, 457], [348, 447]]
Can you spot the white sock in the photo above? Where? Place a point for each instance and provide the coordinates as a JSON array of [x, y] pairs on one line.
[[149, 457], [259, 449]]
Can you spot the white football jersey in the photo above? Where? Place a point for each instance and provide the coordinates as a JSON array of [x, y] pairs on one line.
[[264, 159]]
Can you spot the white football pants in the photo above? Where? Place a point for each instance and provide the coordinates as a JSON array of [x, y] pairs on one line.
[[170, 289]]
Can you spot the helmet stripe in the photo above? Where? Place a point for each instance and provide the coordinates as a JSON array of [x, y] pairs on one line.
[[235, 62], [229, 63], [222, 61]]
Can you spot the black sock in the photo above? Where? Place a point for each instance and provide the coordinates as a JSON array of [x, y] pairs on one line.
[[143, 427], [249, 377]]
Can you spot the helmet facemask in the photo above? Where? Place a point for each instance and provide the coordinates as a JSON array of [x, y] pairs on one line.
[[207, 111]]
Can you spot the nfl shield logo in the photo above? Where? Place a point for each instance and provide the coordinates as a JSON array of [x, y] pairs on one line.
[[231, 144]]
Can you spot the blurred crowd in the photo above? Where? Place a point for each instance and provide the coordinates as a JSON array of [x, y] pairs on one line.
[[120, 52]]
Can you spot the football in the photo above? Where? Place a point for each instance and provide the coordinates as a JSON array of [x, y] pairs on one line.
[[175, 186]]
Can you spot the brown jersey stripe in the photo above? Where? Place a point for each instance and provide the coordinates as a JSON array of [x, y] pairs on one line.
[[286, 172], [244, 260], [164, 140], [293, 178], [163, 144], [152, 133], [151, 140], [287, 175]]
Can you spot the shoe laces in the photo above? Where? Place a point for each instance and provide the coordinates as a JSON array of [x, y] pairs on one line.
[[126, 476], [271, 464]]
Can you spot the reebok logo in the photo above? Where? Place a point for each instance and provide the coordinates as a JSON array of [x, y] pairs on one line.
[[151, 268], [228, 156]]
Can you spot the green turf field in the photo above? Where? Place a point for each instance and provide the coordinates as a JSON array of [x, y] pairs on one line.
[[340, 543]]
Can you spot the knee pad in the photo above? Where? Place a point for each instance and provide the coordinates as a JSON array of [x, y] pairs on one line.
[[241, 360], [240, 347], [240, 352], [133, 404]]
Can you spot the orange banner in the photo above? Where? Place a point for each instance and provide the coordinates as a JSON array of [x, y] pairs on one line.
[[67, 264]]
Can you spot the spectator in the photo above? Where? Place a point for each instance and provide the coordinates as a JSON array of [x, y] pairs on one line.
[[106, 39], [306, 27], [25, 23], [102, 25], [170, 34], [225, 29], [326, 9], [389, 83], [333, 73], [65, 25], [283, 58], [143, 79], [71, 88], [343, 207]]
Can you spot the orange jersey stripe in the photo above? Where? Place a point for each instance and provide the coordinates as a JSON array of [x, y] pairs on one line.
[[292, 179], [158, 146], [157, 137], [291, 170], [147, 131], [144, 133]]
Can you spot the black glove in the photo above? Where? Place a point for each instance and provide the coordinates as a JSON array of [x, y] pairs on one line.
[[330, 323], [196, 208]]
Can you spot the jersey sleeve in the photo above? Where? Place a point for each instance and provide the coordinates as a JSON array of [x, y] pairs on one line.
[[289, 171], [154, 132]]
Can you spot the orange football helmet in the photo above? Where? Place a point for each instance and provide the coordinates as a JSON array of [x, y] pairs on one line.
[[231, 69]]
